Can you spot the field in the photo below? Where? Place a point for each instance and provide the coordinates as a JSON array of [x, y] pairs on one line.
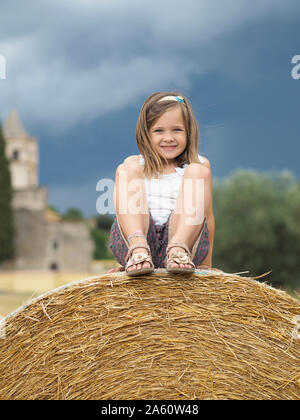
[[18, 287]]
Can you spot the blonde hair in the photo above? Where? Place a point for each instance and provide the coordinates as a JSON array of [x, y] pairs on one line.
[[153, 109]]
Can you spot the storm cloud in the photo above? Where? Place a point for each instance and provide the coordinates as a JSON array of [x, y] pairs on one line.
[[74, 61], [77, 71]]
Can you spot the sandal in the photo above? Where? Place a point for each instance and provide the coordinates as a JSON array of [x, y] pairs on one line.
[[179, 258], [138, 258]]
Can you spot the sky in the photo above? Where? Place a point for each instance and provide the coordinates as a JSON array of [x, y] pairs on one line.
[[78, 72]]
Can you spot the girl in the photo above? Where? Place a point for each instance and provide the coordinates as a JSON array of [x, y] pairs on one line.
[[153, 227]]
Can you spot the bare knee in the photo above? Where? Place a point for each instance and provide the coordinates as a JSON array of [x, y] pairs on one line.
[[197, 170], [131, 168]]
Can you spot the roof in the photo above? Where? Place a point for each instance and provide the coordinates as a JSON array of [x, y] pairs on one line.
[[13, 126], [52, 216]]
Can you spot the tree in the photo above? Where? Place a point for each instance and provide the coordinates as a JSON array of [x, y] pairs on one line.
[[55, 209], [101, 239], [104, 222], [6, 212], [100, 230], [73, 214], [257, 226]]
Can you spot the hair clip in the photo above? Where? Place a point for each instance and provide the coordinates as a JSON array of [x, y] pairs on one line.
[[172, 98], [179, 99]]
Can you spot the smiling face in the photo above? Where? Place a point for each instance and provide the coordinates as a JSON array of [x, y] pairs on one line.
[[168, 134]]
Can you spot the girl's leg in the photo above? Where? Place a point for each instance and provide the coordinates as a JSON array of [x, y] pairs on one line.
[[131, 205], [185, 228]]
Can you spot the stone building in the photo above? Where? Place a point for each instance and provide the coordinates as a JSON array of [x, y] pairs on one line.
[[43, 241]]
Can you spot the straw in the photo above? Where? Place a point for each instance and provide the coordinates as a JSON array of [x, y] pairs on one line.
[[205, 336]]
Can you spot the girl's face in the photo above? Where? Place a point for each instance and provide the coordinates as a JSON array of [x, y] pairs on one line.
[[168, 134]]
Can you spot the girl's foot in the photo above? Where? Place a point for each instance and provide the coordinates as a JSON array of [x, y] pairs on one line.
[[178, 258], [135, 241], [178, 265]]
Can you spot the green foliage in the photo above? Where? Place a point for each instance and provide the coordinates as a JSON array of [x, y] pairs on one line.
[[104, 222], [257, 225], [73, 214], [53, 208], [6, 214], [100, 234], [101, 238]]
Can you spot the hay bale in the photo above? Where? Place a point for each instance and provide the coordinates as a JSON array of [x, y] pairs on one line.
[[208, 336]]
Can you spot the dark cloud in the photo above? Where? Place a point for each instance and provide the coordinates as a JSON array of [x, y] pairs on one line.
[[78, 71], [69, 60]]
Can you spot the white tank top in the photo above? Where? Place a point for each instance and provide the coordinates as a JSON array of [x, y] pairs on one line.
[[162, 192]]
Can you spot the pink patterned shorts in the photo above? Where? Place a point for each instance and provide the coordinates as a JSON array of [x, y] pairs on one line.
[[157, 238]]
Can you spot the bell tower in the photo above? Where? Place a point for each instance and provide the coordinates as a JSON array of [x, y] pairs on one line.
[[22, 153]]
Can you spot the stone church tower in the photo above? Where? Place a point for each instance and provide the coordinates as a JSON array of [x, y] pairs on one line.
[[23, 155], [42, 240], [22, 151]]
